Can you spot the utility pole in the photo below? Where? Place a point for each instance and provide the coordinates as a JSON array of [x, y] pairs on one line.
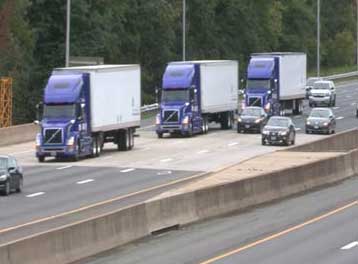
[[184, 28], [68, 21], [357, 34], [318, 36]]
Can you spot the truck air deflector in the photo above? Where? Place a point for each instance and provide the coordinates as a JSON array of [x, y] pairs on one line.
[[261, 68], [178, 76], [63, 89]]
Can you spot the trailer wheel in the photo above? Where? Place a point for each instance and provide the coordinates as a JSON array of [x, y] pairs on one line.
[[205, 125], [122, 139]]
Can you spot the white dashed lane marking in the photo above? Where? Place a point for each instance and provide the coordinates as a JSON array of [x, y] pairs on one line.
[[339, 118], [350, 245], [164, 173], [35, 194], [203, 151], [64, 167], [232, 144], [127, 170], [85, 181], [166, 160]]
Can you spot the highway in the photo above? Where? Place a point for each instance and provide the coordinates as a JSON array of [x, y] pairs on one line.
[[319, 227], [55, 187]]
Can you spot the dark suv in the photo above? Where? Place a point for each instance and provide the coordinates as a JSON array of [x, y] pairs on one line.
[[252, 118], [11, 177]]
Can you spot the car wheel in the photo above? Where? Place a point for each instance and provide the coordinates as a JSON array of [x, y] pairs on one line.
[[20, 185], [160, 135], [238, 129], [263, 142], [41, 159], [6, 191]]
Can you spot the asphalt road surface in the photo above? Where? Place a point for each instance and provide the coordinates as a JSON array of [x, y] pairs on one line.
[[320, 227], [56, 187]]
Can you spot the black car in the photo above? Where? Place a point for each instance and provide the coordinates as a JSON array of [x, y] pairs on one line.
[[279, 129], [321, 120], [11, 177], [252, 118]]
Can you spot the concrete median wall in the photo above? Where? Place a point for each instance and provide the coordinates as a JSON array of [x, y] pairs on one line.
[[178, 207], [17, 134], [343, 141]]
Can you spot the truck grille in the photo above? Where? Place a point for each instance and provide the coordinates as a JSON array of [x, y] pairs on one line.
[[53, 136], [255, 101], [170, 116]]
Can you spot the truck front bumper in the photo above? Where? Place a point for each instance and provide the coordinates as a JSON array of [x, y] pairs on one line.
[[161, 129], [57, 152]]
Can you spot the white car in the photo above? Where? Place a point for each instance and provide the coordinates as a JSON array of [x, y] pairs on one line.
[[309, 84], [323, 93]]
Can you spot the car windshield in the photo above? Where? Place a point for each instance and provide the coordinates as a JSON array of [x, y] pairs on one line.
[[320, 85], [60, 111], [279, 122], [254, 84], [3, 163], [251, 112], [311, 81], [175, 96], [320, 113]]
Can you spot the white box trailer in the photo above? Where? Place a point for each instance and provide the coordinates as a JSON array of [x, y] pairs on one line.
[[219, 86], [85, 107]]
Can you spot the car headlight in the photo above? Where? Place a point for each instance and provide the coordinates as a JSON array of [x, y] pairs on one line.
[[265, 132], [3, 177], [258, 120], [308, 122], [185, 120], [71, 141], [325, 124], [283, 133], [239, 119]]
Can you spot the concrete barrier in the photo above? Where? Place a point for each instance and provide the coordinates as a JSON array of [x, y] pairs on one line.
[[197, 201], [343, 141], [18, 134]]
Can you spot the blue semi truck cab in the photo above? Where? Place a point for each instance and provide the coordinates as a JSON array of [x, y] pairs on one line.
[[85, 107], [276, 81], [195, 93]]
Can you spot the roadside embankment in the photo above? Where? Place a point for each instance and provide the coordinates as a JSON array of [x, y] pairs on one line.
[[256, 181]]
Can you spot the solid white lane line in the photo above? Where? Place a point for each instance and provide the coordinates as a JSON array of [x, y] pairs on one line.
[[127, 170], [203, 151], [35, 194], [340, 117], [64, 167], [350, 245], [107, 157], [232, 144], [85, 181], [146, 127], [166, 160], [21, 152], [335, 108], [298, 128]]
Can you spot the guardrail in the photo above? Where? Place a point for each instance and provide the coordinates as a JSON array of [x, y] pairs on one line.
[[147, 108], [342, 75]]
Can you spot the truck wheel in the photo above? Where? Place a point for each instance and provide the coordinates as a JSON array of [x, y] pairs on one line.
[[229, 120], [41, 159], [122, 140], [96, 147], [206, 124]]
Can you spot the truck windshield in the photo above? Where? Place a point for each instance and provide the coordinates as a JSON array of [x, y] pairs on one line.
[[59, 111], [175, 96], [3, 163], [255, 84]]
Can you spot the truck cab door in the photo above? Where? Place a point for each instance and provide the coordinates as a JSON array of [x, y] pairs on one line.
[[196, 118], [84, 137]]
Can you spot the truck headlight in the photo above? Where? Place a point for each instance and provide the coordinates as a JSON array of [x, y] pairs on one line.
[[239, 119], [3, 177], [267, 107], [157, 120], [185, 120], [70, 141], [38, 140]]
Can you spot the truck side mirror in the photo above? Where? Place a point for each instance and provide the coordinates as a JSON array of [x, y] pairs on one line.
[[39, 112]]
